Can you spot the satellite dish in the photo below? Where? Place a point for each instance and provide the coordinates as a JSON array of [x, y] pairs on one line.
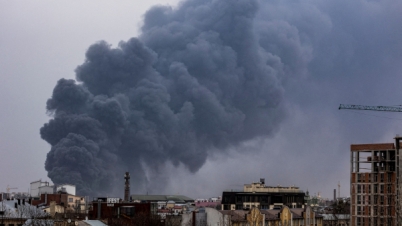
[[69, 221], [76, 223]]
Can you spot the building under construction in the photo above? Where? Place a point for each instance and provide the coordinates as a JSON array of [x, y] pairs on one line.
[[374, 190]]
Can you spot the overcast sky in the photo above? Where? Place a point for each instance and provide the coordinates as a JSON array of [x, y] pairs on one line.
[[331, 52]]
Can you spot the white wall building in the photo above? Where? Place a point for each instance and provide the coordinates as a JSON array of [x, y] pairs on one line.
[[68, 188], [34, 188], [48, 189]]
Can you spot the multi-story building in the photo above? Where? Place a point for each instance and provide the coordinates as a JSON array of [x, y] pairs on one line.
[[35, 187], [264, 197], [254, 217], [374, 183]]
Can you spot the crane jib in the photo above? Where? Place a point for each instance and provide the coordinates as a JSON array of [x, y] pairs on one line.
[[370, 108]]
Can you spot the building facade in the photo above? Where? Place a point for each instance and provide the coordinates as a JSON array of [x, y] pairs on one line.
[[374, 183], [254, 217], [263, 197]]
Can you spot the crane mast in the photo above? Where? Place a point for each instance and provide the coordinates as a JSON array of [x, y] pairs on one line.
[[370, 108]]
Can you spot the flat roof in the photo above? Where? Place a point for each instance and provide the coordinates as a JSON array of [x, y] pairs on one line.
[[176, 198], [372, 147]]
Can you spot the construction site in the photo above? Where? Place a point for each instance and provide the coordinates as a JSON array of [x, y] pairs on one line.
[[375, 175]]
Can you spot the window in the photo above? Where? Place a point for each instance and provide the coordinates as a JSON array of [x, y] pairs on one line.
[[359, 189], [381, 177], [70, 200]]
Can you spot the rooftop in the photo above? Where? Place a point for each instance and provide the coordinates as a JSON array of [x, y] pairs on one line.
[[155, 198]]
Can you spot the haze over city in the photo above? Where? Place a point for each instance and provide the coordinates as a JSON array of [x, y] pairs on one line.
[[306, 56]]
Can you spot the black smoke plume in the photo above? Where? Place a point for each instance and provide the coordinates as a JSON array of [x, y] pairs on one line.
[[195, 81]]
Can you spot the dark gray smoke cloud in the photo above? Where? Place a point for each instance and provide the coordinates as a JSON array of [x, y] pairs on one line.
[[199, 79]]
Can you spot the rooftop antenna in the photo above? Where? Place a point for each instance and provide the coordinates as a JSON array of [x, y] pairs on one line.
[[339, 189]]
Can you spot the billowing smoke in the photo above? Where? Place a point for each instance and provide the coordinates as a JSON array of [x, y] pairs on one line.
[[196, 81]]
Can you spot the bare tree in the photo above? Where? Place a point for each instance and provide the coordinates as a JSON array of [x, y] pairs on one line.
[[35, 216], [173, 220], [340, 209]]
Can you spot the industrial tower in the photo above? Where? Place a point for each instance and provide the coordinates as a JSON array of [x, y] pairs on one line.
[[127, 187]]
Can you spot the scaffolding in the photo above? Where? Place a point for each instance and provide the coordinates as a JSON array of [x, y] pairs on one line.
[[374, 184]]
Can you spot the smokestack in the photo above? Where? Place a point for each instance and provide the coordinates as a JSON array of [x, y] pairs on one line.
[[334, 195], [127, 187]]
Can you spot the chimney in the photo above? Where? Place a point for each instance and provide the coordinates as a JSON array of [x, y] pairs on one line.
[[334, 195], [127, 187]]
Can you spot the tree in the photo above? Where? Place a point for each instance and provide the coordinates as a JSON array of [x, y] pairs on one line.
[[340, 209]]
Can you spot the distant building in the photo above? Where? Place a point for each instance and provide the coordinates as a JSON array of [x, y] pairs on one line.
[[275, 217], [123, 213], [34, 187], [336, 219], [264, 197], [47, 189], [67, 188], [70, 203], [178, 199], [211, 202]]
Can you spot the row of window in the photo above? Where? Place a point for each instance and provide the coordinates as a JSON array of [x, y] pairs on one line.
[[269, 199], [380, 221], [361, 177], [384, 211], [375, 199], [377, 188]]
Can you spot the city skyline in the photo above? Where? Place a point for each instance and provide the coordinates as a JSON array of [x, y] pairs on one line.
[[333, 52]]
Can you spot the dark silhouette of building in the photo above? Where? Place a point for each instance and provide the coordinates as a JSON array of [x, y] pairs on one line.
[[263, 197]]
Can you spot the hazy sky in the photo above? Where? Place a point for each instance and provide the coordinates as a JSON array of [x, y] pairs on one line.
[[329, 52]]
